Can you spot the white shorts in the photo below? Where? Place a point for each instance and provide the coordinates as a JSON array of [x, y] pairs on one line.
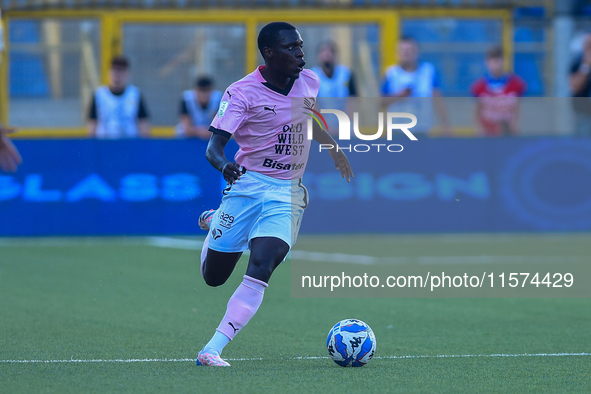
[[258, 206]]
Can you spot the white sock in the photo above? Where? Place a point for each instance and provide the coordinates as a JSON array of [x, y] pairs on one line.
[[217, 343]]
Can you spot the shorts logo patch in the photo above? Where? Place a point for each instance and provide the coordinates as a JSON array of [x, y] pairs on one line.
[[216, 233], [226, 220], [223, 107]]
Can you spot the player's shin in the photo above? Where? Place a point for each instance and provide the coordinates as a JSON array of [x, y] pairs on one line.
[[242, 306]]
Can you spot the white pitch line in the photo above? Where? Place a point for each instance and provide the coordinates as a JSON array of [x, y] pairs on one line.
[[301, 255], [174, 243], [176, 360]]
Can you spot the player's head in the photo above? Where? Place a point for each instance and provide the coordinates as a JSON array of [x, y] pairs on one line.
[[119, 72], [408, 51], [327, 53], [495, 61], [203, 86], [280, 45]]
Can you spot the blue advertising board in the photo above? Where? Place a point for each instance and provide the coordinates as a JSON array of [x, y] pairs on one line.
[[92, 187], [139, 187]]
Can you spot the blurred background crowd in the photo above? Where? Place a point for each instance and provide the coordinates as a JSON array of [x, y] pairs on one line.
[[465, 67]]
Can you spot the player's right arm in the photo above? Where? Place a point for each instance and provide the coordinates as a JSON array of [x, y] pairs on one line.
[[216, 156], [231, 115]]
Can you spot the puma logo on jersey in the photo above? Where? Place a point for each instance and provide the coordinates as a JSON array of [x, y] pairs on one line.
[[271, 109], [229, 94], [216, 233]]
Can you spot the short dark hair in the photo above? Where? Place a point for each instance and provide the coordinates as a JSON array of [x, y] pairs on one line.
[[120, 62], [495, 52], [204, 82], [409, 38], [269, 34], [329, 43]]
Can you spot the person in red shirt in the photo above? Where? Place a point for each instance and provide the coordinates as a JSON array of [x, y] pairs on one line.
[[497, 93]]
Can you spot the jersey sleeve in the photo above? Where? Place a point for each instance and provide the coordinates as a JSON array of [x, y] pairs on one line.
[[352, 86], [575, 65], [143, 109], [520, 85], [436, 79], [231, 114], [183, 108], [385, 86], [92, 115]]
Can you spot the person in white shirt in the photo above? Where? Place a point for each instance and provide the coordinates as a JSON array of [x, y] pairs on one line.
[[118, 110], [198, 108], [405, 85]]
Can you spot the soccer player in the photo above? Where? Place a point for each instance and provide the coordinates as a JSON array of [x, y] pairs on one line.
[[198, 107], [262, 206], [118, 110], [498, 92]]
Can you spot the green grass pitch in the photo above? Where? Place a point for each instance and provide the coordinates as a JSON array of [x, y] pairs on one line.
[[123, 299]]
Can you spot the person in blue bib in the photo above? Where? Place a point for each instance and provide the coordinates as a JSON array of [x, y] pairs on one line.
[[414, 87], [118, 110], [337, 83], [198, 108]]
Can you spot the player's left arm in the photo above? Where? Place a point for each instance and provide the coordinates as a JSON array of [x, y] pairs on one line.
[[340, 159], [322, 137]]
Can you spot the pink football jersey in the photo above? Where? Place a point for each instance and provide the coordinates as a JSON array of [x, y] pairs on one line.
[[272, 135]]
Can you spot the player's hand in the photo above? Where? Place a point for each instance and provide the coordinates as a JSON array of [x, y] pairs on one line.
[[231, 172], [9, 156], [342, 163]]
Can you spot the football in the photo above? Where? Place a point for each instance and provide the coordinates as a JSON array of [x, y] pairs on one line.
[[351, 343]]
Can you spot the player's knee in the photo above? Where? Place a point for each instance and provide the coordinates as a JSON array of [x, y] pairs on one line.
[[261, 272], [214, 282], [261, 267]]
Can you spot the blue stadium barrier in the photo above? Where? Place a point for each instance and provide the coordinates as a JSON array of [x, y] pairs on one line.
[[139, 187]]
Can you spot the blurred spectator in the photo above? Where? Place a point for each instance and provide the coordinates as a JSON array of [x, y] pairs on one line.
[[198, 108], [118, 110], [497, 92], [406, 84], [580, 85], [337, 83], [9, 156]]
